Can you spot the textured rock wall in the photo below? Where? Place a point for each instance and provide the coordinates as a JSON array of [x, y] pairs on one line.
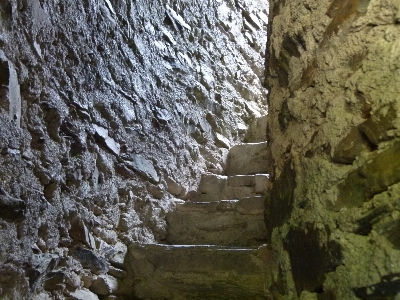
[[333, 132], [110, 110]]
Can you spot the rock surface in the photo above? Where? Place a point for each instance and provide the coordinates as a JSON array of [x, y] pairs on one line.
[[333, 149]]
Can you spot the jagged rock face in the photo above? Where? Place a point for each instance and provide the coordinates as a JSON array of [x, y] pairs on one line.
[[333, 207], [109, 111]]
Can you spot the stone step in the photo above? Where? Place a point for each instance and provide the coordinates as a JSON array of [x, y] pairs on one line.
[[246, 159], [216, 187], [225, 222], [257, 131], [197, 272]]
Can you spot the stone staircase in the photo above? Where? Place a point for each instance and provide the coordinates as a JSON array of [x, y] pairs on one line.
[[216, 242]]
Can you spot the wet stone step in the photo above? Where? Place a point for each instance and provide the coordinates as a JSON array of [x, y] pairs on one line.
[[197, 272]]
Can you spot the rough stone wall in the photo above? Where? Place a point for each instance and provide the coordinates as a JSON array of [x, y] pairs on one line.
[[109, 110], [333, 132]]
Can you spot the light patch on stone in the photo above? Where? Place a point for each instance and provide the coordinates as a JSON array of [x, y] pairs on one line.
[[109, 142], [168, 36], [178, 18], [110, 7]]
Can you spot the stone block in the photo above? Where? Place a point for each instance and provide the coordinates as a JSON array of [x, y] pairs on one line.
[[211, 183], [218, 222], [173, 187], [246, 159]]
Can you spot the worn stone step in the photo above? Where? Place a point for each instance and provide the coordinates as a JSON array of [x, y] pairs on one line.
[[225, 222], [246, 159], [216, 187], [197, 272]]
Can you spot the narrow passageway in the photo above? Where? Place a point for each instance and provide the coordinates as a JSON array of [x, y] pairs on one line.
[[215, 241]]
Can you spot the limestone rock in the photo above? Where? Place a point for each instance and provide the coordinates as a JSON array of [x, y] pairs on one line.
[[156, 191], [352, 145], [54, 281]]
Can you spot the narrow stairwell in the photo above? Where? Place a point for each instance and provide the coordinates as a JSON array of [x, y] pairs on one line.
[[216, 242]]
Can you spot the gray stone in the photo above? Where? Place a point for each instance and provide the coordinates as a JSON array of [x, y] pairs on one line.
[[144, 167], [263, 17], [117, 258], [10, 95], [54, 281], [104, 139], [11, 209], [168, 36], [217, 187], [80, 233], [89, 260]]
